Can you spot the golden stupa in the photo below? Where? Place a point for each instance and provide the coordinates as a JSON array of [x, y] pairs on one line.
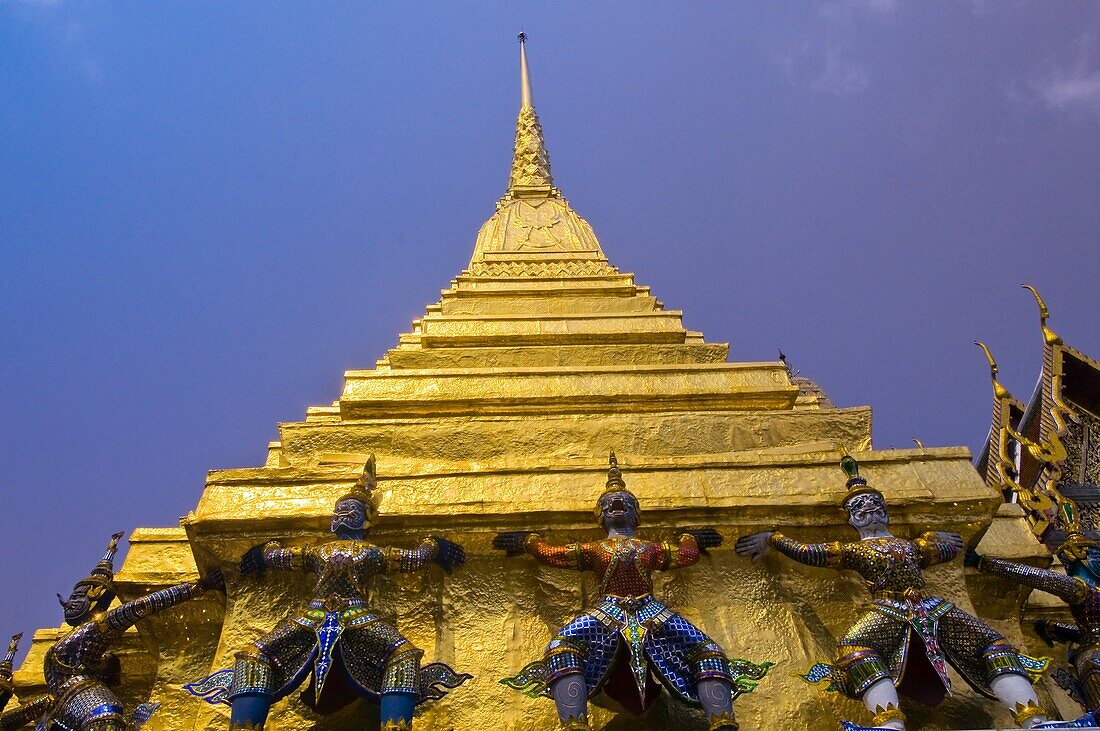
[[495, 412]]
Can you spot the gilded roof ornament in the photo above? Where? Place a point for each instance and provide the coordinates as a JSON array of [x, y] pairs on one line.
[[1042, 498], [1050, 450], [999, 391], [1049, 336], [532, 217], [530, 162], [1056, 411]]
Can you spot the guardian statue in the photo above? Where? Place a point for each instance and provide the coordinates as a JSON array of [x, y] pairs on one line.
[[629, 643], [26, 713], [1080, 554], [337, 631], [905, 639], [78, 668]]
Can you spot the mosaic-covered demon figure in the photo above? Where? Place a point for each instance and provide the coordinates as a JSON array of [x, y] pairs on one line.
[[1080, 554], [346, 650], [79, 669], [629, 644], [906, 639]]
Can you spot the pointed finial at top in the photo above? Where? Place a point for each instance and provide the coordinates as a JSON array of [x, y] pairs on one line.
[[369, 479], [1049, 335], [112, 549], [614, 474], [530, 164], [12, 649], [365, 489], [999, 391], [524, 74], [989, 357]]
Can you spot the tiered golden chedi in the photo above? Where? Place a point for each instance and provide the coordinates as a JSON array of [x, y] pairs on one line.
[[496, 412]]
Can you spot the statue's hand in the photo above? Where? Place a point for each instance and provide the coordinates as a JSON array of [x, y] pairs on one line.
[[252, 562], [213, 580], [954, 540], [704, 538], [1042, 628], [972, 558], [513, 543], [110, 670], [754, 546], [449, 554]]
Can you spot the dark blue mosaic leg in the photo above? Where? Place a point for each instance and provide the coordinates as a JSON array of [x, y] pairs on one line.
[[585, 646], [681, 655], [397, 708], [249, 711]]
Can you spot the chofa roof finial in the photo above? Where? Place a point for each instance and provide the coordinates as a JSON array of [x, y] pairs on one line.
[[1049, 336]]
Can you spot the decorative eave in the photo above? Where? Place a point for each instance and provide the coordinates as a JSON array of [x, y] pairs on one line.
[[1035, 433], [996, 462]]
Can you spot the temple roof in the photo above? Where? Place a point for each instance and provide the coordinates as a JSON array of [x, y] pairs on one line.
[[1030, 445]]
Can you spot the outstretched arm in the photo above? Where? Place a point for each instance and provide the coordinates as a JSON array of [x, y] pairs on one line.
[[1073, 591], [26, 714], [272, 555], [938, 547], [432, 550], [688, 548], [570, 556], [518, 542], [1057, 632], [676, 555], [811, 554], [119, 619]]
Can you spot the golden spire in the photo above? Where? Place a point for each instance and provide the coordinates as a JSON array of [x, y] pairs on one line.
[[530, 164], [524, 75], [532, 217]]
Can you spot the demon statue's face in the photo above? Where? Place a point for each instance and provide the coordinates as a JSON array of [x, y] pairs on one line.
[[1086, 569], [88, 596], [349, 515], [1092, 563], [867, 511], [618, 509]]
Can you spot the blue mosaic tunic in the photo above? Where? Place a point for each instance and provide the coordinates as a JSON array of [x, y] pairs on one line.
[[629, 629], [337, 631]]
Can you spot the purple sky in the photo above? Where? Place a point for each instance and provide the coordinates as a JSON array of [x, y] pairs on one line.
[[208, 211]]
